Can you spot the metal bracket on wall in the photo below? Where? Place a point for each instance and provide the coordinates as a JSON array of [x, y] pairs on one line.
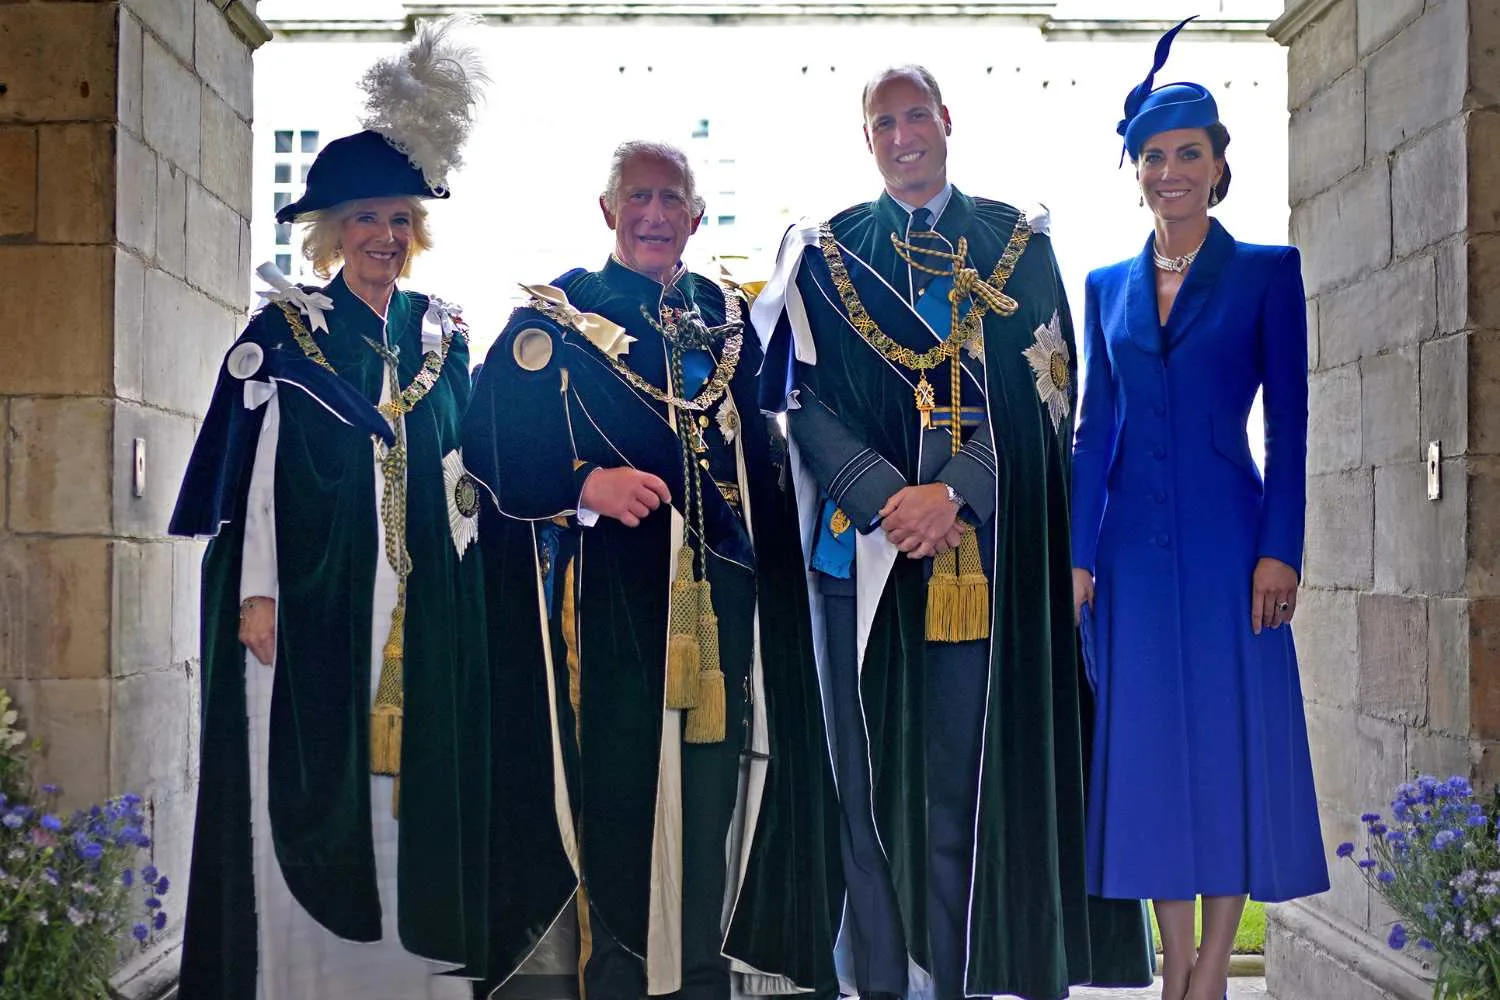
[[1434, 470]]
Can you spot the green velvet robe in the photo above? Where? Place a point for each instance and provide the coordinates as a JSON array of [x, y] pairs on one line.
[[319, 779], [531, 436], [1030, 929]]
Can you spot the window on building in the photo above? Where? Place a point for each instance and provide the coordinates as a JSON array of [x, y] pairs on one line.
[[282, 199], [726, 220], [284, 263], [309, 142], [700, 131], [283, 173], [283, 142], [283, 234]]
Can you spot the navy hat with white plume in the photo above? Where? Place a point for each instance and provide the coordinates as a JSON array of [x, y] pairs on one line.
[[419, 108]]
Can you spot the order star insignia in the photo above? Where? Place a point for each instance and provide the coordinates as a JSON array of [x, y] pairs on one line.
[[1048, 355]]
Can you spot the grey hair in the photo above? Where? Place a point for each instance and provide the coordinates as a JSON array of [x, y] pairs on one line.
[[627, 151], [921, 74]]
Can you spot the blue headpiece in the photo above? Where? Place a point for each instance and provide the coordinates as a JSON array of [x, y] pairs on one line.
[[1175, 105]]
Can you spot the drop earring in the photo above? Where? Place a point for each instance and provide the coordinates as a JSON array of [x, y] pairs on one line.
[[1142, 201]]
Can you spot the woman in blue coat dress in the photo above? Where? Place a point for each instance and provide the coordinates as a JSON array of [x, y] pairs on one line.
[[1186, 561]]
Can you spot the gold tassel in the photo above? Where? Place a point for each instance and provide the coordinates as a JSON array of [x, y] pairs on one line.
[[973, 619], [684, 659], [385, 739], [706, 721], [942, 599]]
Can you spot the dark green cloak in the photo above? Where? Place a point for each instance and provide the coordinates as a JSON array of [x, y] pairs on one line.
[[531, 435], [319, 782], [1031, 919]]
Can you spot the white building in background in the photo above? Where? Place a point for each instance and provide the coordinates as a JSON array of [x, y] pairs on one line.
[[765, 97]]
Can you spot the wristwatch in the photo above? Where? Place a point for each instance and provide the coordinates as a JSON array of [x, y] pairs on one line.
[[954, 497]]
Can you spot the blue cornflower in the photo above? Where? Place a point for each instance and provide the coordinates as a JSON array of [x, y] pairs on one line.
[[160, 920], [1443, 838], [1397, 939], [1386, 876], [1367, 863], [1345, 849], [91, 851], [1430, 911], [152, 903], [1369, 817], [51, 822], [149, 873], [140, 933], [1424, 943], [12, 820], [1460, 785], [162, 885], [1379, 830], [50, 789], [127, 878]]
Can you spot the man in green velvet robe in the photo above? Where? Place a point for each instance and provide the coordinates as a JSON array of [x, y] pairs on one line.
[[922, 346], [655, 696]]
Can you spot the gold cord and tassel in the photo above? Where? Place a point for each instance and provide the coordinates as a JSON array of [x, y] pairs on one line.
[[684, 657]]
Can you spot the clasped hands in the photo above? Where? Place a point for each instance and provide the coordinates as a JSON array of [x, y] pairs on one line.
[[921, 521]]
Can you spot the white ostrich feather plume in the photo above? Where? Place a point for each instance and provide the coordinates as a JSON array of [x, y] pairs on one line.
[[422, 99]]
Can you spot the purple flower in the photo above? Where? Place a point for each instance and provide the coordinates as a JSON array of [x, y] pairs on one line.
[[1367, 863], [1443, 839], [51, 822], [1424, 943], [127, 878], [1397, 939], [162, 885], [1345, 850], [160, 920], [1370, 818], [140, 933], [149, 873], [50, 789], [153, 903], [12, 820], [1386, 877], [91, 851]]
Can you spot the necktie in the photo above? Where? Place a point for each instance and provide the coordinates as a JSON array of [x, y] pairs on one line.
[[921, 221]]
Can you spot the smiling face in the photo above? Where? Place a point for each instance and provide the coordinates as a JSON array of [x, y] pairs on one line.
[[651, 215], [1177, 172], [376, 240], [907, 130]]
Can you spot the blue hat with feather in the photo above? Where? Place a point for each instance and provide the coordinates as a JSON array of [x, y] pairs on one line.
[[1171, 106]]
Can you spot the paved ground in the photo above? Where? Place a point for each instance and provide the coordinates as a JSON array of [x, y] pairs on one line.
[[1240, 988]]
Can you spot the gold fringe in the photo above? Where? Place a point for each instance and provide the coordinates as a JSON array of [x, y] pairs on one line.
[[958, 595], [684, 659], [396, 797], [706, 721], [385, 739]]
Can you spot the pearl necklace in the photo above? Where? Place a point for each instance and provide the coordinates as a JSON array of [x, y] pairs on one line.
[[1177, 264]]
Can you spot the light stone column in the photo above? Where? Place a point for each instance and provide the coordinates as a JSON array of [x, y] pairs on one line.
[[1395, 195], [124, 272]]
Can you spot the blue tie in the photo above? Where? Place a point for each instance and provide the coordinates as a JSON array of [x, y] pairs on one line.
[[921, 221]]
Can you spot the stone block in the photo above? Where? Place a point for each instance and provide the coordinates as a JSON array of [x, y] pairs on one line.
[[1484, 54], [1448, 666], [187, 561], [1333, 420], [18, 193], [4, 465], [1483, 485], [1378, 20], [54, 607], [1344, 232], [1484, 668], [1417, 79], [1483, 173], [1380, 748], [1314, 357], [1348, 896], [190, 334], [1311, 956], [1392, 660], [1445, 394], [1327, 631], [1331, 737], [141, 619], [130, 331], [213, 246], [151, 722], [1441, 756], [171, 815], [170, 21], [1419, 543], [130, 87], [169, 106], [59, 447], [171, 219], [1387, 309], [48, 81], [1483, 278], [226, 155], [76, 187], [1340, 530], [1327, 137], [222, 59], [136, 209], [1452, 258], [1428, 188], [71, 716], [1482, 393], [1390, 401], [58, 339], [1322, 53], [169, 442]]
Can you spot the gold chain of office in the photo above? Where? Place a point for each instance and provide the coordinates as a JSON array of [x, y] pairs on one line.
[[988, 295], [733, 332], [400, 404]]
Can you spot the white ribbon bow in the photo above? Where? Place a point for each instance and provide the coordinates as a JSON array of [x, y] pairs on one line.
[[609, 337], [439, 322], [310, 304]]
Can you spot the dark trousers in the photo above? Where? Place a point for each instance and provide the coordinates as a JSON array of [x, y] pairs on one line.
[[710, 782], [956, 684]]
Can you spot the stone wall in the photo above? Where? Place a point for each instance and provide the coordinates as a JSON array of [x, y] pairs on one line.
[[124, 244], [1395, 203]]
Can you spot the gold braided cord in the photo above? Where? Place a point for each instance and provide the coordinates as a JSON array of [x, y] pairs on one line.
[[717, 383]]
